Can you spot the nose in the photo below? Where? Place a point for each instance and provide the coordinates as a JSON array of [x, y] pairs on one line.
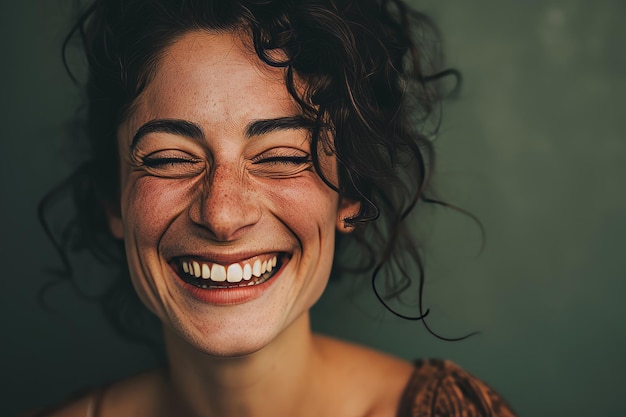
[[226, 206]]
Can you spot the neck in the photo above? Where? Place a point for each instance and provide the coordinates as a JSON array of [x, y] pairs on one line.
[[276, 380]]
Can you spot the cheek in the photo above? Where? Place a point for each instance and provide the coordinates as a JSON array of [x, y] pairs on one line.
[[150, 204], [308, 208], [305, 204]]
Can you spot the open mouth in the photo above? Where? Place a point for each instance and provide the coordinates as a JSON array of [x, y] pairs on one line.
[[211, 275]]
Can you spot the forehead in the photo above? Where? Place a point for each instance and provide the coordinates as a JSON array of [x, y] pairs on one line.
[[214, 79]]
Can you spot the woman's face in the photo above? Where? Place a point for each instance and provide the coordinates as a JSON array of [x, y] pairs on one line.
[[229, 231]]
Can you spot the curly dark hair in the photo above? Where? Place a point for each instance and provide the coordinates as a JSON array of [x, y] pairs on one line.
[[371, 69]]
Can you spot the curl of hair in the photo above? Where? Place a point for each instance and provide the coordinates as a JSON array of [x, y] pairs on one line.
[[371, 71]]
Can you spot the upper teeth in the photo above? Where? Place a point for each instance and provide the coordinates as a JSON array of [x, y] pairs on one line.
[[232, 273]]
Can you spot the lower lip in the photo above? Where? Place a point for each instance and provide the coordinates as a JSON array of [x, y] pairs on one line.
[[228, 296]]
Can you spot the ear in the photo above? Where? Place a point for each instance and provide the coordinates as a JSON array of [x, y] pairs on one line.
[[347, 208], [114, 219]]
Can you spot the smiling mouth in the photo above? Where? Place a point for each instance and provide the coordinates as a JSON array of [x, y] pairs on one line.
[[211, 275]]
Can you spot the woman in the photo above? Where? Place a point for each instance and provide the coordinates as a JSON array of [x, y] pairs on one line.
[[231, 142]]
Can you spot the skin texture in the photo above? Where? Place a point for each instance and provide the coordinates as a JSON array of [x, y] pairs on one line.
[[223, 194], [226, 198]]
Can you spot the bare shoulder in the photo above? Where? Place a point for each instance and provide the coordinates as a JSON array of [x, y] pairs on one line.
[[118, 398], [363, 360], [381, 379], [396, 388]]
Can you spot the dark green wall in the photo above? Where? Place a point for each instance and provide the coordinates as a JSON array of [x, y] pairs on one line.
[[534, 147]]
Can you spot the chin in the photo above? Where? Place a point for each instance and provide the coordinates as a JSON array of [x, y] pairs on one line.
[[222, 343]]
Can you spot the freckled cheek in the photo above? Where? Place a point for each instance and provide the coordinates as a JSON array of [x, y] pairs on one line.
[[305, 205], [151, 204]]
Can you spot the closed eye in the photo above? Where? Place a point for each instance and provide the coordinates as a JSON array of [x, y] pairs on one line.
[[280, 163], [287, 160], [151, 162], [172, 164]]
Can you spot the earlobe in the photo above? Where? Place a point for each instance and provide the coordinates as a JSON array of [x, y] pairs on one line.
[[114, 220], [116, 227], [347, 208]]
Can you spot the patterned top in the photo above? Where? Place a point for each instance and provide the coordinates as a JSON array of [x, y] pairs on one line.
[[439, 388]]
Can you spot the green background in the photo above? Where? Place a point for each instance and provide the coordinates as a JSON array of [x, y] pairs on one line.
[[534, 147]]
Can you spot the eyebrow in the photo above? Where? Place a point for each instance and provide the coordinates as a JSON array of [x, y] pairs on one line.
[[264, 126], [191, 130], [173, 126]]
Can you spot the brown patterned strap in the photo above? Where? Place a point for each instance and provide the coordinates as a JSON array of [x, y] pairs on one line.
[[440, 388]]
